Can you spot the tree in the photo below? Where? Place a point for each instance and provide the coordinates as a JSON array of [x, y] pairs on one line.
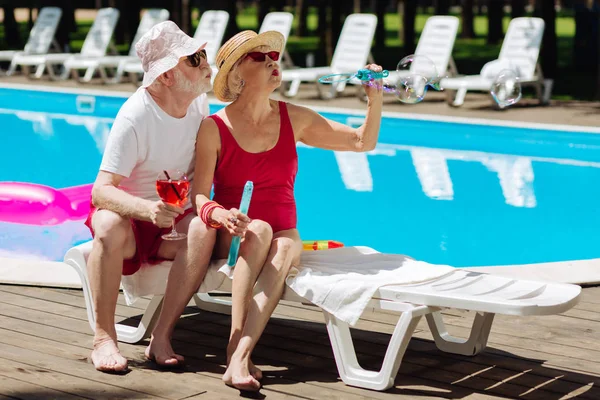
[[380, 7], [302, 13], [129, 19], [517, 8], [442, 7], [67, 23], [495, 16], [409, 17], [11, 28], [468, 32], [547, 11]]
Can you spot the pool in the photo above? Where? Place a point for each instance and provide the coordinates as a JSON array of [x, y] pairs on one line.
[[446, 192]]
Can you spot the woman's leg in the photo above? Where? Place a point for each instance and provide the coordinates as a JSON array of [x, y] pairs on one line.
[[253, 253], [284, 252]]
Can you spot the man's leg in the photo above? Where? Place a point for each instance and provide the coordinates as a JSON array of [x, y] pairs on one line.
[[113, 242], [284, 252], [191, 259]]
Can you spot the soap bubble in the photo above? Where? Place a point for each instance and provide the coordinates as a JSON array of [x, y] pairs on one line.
[[418, 65], [411, 89], [506, 88]]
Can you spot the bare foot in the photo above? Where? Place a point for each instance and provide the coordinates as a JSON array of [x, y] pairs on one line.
[[238, 376], [254, 370], [162, 353], [107, 357]]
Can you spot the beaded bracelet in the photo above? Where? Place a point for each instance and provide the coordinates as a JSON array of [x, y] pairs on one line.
[[206, 211]]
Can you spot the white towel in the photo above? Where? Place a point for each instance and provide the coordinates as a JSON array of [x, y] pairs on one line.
[[152, 279], [342, 281]]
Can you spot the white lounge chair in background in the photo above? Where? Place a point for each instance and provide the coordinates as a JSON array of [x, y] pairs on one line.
[[96, 44], [73, 64], [436, 43], [352, 52], [40, 38], [520, 51], [281, 22], [211, 29], [484, 294]]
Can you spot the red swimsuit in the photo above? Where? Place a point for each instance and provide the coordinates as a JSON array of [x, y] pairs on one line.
[[273, 173]]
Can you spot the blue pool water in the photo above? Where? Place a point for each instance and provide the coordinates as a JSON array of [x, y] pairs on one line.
[[450, 193]]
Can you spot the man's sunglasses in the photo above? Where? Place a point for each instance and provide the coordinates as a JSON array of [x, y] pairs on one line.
[[196, 58], [260, 56]]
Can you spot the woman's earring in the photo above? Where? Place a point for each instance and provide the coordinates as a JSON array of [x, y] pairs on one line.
[[242, 83]]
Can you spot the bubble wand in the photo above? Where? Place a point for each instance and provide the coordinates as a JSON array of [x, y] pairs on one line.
[[364, 75], [235, 241]]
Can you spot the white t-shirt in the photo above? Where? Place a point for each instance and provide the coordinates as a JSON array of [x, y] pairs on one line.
[[145, 140]]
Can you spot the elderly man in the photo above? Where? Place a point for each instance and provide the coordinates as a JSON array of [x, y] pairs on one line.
[[155, 130]]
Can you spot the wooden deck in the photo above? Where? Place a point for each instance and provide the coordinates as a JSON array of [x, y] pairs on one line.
[[45, 342]]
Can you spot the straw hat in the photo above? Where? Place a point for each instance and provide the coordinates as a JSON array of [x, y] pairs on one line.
[[161, 48], [237, 47]]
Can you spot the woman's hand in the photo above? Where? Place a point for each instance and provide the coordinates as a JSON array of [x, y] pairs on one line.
[[374, 88], [233, 220]]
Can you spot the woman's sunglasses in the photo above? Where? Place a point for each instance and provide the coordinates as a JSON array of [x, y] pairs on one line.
[[196, 58], [260, 56]]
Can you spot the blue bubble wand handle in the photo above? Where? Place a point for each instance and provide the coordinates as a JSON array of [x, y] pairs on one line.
[[363, 74], [367, 75], [234, 249]]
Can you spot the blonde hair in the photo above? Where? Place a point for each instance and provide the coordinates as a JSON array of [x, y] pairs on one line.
[[235, 83]]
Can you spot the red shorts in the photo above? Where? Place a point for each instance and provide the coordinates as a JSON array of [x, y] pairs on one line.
[[147, 241]]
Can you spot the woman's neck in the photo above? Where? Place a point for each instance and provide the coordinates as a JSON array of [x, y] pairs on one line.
[[252, 108]]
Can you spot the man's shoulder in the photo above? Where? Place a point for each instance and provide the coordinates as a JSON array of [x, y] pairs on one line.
[[135, 107]]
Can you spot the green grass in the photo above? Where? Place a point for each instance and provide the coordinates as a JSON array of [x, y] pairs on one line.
[[469, 54]]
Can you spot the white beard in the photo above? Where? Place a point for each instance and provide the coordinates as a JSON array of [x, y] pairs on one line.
[[185, 85]]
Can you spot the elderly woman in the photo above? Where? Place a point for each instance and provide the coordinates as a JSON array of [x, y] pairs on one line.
[[254, 138]]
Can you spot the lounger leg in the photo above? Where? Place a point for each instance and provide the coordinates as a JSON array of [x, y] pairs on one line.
[[476, 342], [293, 90], [39, 71], [125, 333], [328, 93], [459, 99], [89, 74], [548, 83], [206, 302], [134, 334], [345, 356], [11, 69]]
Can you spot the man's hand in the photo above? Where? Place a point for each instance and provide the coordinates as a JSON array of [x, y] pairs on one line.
[[163, 214]]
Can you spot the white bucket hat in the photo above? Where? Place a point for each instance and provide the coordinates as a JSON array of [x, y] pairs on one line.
[[161, 48]]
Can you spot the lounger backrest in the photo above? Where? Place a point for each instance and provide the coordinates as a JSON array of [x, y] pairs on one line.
[[151, 17], [354, 44], [98, 38], [42, 33], [521, 45], [437, 40], [278, 21], [211, 29]]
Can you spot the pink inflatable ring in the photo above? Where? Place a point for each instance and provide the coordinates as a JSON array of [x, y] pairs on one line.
[[33, 204]]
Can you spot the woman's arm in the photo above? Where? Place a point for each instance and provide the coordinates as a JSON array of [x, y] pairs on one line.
[[318, 131], [207, 147], [208, 144]]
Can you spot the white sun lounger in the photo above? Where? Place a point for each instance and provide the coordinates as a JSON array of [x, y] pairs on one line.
[[96, 44], [520, 51], [436, 43], [351, 53], [92, 64], [281, 22], [40, 38], [484, 294], [211, 29]]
